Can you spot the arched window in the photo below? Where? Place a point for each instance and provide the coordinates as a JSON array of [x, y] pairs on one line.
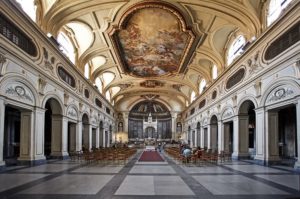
[[202, 86], [193, 96], [66, 46], [236, 48], [99, 84], [87, 71], [186, 103], [275, 9], [107, 95], [214, 72], [108, 78], [29, 8]]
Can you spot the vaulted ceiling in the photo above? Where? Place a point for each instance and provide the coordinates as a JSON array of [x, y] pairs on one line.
[[162, 48]]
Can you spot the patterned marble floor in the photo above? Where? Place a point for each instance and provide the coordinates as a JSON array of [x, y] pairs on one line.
[[74, 180]]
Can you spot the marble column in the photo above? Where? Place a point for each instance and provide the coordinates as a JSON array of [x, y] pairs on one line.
[[220, 136], [213, 136], [97, 137], [72, 134], [236, 137], [297, 164], [59, 136], [2, 116], [90, 138], [79, 136], [272, 149], [243, 140], [39, 132], [194, 138], [241, 137], [202, 137], [173, 123], [64, 136], [27, 136], [101, 137], [209, 146], [226, 133], [125, 124], [260, 135]]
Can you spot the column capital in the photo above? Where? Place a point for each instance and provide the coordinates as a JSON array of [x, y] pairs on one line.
[[40, 109]]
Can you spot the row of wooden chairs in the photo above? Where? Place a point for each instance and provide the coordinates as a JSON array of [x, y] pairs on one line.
[[200, 157], [105, 156]]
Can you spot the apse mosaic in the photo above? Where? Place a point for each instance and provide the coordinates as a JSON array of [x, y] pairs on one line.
[[152, 43]]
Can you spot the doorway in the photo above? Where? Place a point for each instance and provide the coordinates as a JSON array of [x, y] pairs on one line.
[[228, 137], [287, 133], [11, 150]]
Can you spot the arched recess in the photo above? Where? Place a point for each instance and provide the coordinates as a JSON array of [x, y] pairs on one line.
[[213, 143], [247, 129], [54, 143], [86, 133]]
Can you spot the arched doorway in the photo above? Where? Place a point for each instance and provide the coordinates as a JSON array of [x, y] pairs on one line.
[[86, 143], [198, 134], [214, 133], [53, 129], [247, 141], [11, 148]]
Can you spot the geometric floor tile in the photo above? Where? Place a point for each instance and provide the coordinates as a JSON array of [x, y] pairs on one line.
[[71, 184], [8, 181], [255, 169], [235, 185], [153, 185], [98, 169], [292, 181], [48, 168], [153, 169]]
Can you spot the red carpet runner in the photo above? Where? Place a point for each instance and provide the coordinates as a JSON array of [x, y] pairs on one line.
[[151, 156]]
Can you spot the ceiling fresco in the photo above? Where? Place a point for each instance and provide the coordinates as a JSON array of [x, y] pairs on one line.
[[152, 42]]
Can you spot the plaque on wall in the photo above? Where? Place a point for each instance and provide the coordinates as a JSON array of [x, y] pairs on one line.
[[66, 77], [235, 78], [202, 104], [86, 93], [98, 103], [214, 95]]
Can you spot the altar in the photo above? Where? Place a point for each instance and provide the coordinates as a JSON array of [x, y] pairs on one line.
[[150, 148]]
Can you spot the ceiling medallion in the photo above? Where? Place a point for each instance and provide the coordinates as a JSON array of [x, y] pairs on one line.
[[177, 86], [125, 86], [152, 39], [151, 84], [150, 97]]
